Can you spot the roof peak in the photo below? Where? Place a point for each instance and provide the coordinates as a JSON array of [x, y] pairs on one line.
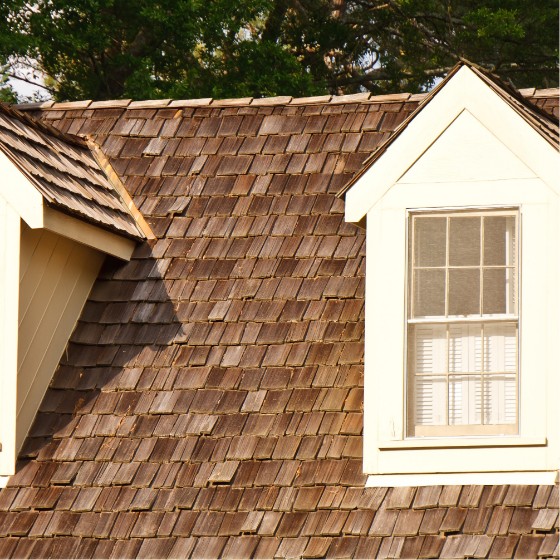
[[247, 101]]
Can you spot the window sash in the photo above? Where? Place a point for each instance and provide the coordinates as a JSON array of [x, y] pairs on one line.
[[442, 273], [467, 401]]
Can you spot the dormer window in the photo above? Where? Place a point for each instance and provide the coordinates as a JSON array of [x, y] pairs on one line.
[[462, 323], [460, 366]]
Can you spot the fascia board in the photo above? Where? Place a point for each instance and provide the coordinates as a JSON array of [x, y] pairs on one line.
[[88, 234], [465, 90], [20, 193]]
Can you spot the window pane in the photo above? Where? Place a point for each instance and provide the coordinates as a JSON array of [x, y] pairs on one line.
[[495, 288], [465, 399], [463, 370], [429, 293], [430, 348], [465, 348], [464, 291], [500, 347], [430, 401], [500, 401], [429, 240], [499, 240], [464, 241]]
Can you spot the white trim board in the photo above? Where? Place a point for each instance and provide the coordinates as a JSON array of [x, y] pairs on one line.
[[546, 478], [464, 91]]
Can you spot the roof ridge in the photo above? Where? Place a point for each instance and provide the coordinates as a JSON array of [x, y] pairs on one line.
[[211, 102], [247, 101]]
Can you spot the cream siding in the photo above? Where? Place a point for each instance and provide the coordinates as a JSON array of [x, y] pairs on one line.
[[56, 276], [466, 151]]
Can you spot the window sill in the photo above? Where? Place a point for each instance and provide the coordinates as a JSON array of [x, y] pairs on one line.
[[547, 478], [454, 442]]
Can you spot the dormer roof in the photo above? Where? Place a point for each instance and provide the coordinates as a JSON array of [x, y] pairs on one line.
[[66, 172]]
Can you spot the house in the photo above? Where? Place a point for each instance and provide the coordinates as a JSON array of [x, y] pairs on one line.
[[210, 400]]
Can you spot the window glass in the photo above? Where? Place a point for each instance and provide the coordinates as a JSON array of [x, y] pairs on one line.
[[430, 292], [463, 369], [464, 241], [430, 241], [464, 291]]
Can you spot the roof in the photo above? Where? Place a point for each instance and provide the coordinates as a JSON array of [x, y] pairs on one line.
[[210, 401], [64, 170]]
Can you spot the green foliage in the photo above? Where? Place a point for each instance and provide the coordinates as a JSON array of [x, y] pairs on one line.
[[103, 49]]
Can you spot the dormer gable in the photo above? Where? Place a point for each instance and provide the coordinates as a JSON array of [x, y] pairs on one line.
[[483, 129]]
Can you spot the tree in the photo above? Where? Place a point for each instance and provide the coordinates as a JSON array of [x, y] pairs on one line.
[[102, 49], [408, 44]]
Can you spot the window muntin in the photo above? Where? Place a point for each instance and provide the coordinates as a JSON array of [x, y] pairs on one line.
[[463, 324]]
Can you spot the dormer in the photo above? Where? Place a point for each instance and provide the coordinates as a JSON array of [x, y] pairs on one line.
[[462, 206], [62, 211]]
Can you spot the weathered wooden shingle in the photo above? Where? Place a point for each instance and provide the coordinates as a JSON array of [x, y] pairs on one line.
[[64, 170], [210, 401]]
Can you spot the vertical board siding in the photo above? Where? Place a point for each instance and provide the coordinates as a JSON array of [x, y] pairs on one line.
[[57, 276]]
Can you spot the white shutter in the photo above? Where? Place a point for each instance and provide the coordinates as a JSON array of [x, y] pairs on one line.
[[500, 347], [500, 399], [465, 399], [430, 400], [465, 348], [430, 349], [430, 356]]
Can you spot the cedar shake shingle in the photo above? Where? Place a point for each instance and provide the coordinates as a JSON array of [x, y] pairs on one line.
[[210, 401]]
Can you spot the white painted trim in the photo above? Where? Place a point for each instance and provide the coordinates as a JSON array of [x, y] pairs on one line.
[[10, 224], [546, 478], [4, 481], [88, 234], [453, 442], [463, 91]]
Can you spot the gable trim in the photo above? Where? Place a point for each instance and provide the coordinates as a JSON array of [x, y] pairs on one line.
[[465, 90]]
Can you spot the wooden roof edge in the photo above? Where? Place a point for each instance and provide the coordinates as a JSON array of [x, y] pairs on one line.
[[16, 112], [364, 97], [115, 180]]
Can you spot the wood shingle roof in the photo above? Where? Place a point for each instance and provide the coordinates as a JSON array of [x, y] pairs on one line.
[[210, 402], [64, 170]]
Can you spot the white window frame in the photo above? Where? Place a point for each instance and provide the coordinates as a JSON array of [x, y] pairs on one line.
[[413, 322], [390, 456]]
